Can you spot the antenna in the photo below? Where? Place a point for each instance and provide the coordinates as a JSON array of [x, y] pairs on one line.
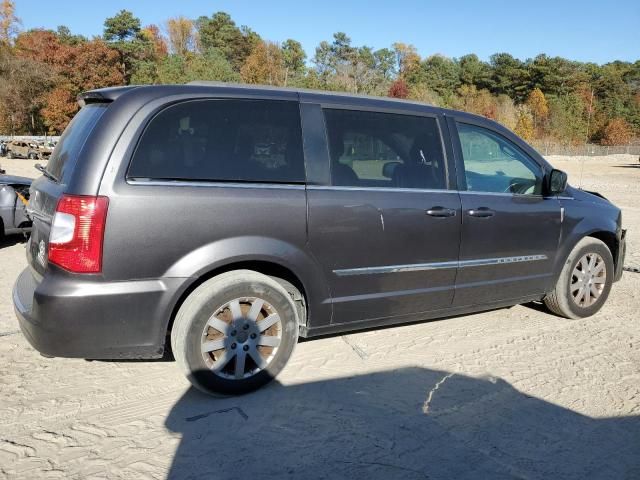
[[581, 171]]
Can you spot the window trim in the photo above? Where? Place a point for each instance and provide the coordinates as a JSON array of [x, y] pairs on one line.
[[146, 122], [448, 178], [459, 158]]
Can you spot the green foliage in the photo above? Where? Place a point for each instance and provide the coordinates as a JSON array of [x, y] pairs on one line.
[[211, 65], [124, 34], [568, 118], [440, 74], [293, 56], [121, 27], [509, 76], [65, 36], [221, 33], [474, 72]]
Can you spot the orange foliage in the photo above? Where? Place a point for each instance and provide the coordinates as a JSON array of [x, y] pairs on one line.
[[398, 89], [617, 132], [60, 106]]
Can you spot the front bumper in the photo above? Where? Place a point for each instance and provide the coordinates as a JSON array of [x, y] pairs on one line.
[[620, 255], [63, 316]]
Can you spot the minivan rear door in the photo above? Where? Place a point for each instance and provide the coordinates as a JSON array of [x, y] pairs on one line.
[[382, 221], [46, 190]]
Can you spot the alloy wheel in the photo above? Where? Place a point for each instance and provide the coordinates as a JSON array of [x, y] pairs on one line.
[[241, 338], [588, 280]]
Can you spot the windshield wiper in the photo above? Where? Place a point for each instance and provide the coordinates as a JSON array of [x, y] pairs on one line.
[[44, 171]]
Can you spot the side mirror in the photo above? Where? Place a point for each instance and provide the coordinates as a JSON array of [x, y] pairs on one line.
[[557, 182]]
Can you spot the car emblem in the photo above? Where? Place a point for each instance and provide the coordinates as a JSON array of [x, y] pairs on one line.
[[41, 252]]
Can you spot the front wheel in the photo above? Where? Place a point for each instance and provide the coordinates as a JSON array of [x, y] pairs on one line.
[[235, 332], [585, 281]]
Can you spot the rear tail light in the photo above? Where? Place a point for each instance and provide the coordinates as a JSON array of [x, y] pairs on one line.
[[77, 231]]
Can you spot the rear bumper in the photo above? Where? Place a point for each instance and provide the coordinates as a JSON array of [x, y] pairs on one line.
[[65, 317]]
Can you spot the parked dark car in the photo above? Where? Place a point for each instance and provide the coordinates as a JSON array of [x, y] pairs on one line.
[[14, 194], [232, 220]]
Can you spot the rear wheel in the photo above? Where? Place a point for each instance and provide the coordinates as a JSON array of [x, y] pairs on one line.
[[585, 281], [235, 332]]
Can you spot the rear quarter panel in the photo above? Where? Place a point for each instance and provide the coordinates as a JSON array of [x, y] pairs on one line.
[[186, 230]]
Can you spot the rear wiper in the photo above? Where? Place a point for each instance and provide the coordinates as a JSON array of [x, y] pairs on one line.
[[44, 171]]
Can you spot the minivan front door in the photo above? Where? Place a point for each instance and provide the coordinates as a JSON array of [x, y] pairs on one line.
[[510, 231], [385, 229]]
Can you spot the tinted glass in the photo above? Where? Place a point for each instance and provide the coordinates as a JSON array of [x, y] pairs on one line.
[[371, 149], [66, 152], [494, 164], [218, 140]]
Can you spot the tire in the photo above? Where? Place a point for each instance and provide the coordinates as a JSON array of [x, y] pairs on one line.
[[200, 325], [563, 299], [10, 155]]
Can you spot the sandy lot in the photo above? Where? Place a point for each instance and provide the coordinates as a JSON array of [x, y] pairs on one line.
[[513, 393]]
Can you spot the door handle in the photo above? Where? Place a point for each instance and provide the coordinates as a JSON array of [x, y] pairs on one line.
[[441, 212], [481, 212]]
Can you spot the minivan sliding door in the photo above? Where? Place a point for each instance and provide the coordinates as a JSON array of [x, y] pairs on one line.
[[382, 222]]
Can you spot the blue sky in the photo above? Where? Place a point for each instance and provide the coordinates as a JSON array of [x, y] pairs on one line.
[[596, 31]]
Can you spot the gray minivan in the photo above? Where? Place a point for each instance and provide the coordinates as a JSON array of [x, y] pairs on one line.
[[230, 220]]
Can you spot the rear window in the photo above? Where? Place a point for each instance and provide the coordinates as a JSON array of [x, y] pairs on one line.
[[222, 140], [72, 140]]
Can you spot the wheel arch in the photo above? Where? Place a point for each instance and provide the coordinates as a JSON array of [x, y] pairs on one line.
[[608, 237], [305, 293], [610, 240]]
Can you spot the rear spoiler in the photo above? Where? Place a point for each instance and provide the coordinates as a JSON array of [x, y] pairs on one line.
[[102, 95]]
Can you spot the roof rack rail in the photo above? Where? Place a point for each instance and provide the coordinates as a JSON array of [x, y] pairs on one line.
[[214, 83]]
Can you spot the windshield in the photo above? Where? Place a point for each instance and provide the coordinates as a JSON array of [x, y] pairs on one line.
[[72, 140]]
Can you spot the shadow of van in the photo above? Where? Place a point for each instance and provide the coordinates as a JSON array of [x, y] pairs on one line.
[[407, 423]]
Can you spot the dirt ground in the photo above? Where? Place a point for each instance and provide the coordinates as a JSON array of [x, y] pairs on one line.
[[512, 393]]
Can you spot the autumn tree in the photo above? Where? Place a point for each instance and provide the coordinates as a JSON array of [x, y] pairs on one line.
[[151, 33], [524, 125], [265, 65], [9, 23], [59, 108], [22, 83], [472, 100], [181, 33], [581, 101], [398, 89], [538, 107], [617, 132], [407, 58]]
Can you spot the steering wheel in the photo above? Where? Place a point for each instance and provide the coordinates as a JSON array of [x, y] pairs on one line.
[[520, 187]]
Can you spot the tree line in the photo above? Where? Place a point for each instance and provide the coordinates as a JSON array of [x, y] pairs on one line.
[[543, 99]]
